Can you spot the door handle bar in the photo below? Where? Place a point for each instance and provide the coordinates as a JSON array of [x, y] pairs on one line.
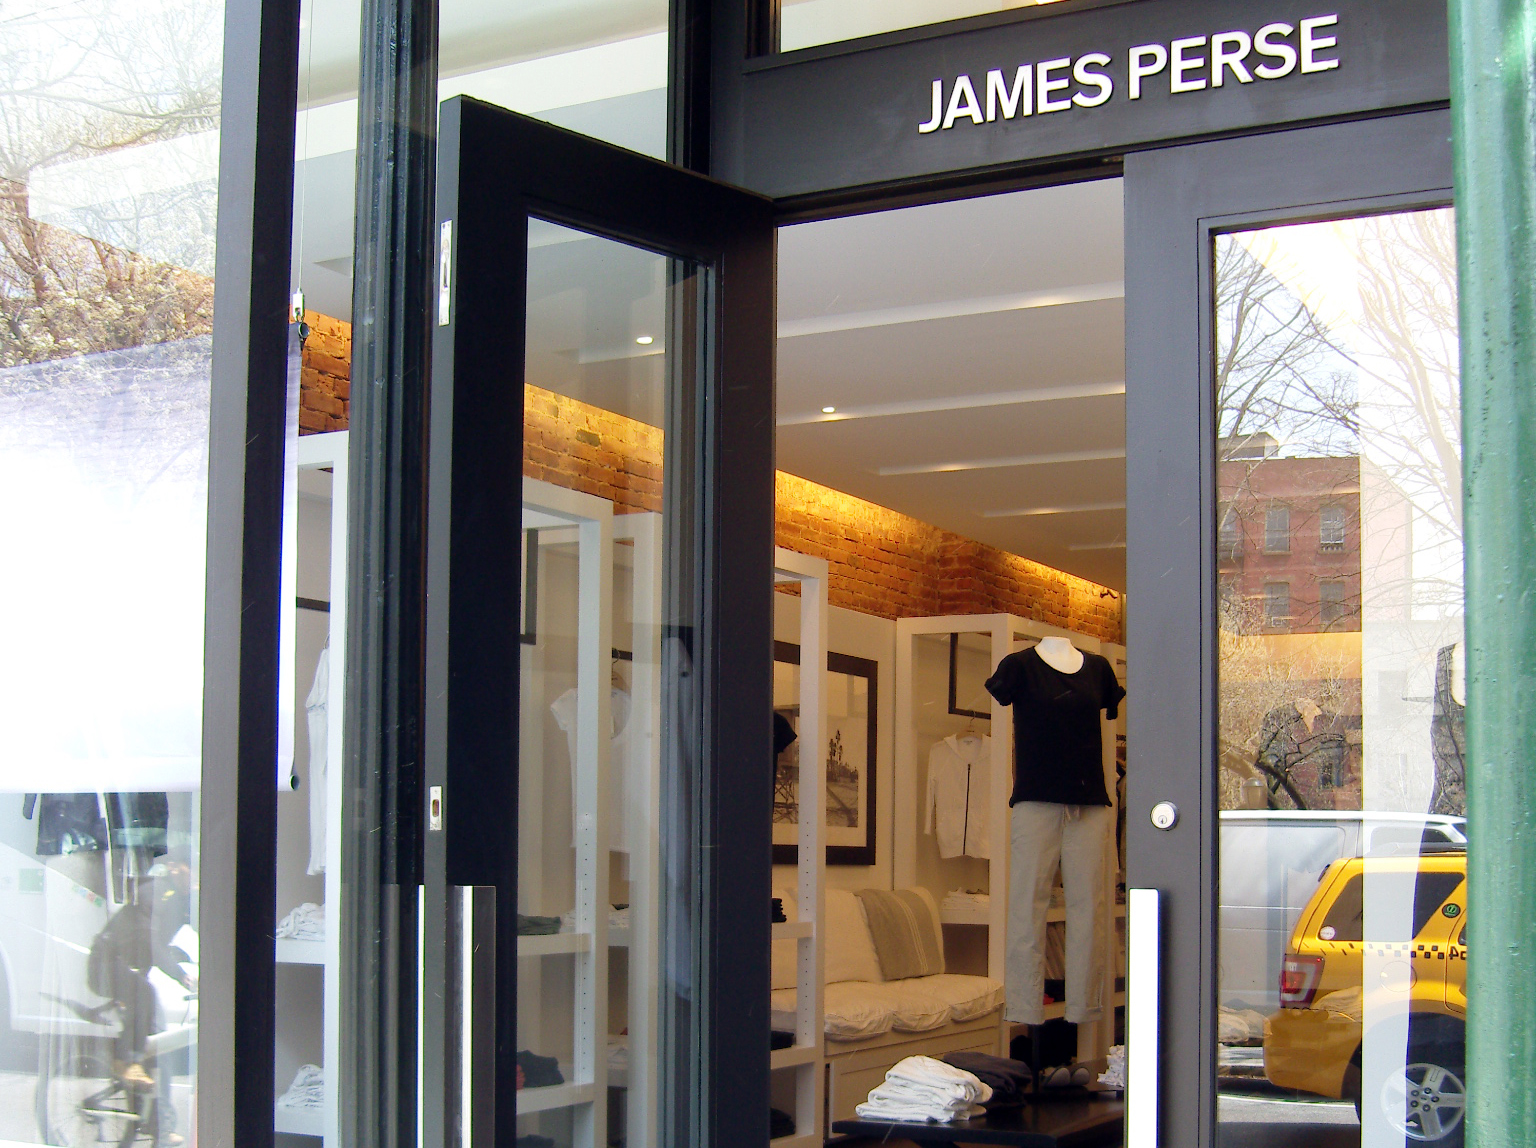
[[1143, 982]]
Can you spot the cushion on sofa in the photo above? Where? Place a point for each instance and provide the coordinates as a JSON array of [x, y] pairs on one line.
[[912, 1009], [967, 997], [849, 954], [906, 941], [856, 1010], [851, 1010]]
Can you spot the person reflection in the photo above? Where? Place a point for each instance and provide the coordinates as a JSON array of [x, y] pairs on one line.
[[138, 938]]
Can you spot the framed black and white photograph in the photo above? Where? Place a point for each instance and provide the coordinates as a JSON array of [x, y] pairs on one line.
[[850, 729]]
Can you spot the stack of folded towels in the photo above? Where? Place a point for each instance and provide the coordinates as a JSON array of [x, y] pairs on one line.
[[920, 1088]]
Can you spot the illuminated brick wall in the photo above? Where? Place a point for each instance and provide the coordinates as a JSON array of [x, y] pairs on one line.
[[881, 562], [885, 563], [325, 382]]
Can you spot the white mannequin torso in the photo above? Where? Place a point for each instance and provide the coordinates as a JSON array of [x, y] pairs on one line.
[[1060, 654]]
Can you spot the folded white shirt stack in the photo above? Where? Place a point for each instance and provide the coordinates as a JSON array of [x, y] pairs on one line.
[[618, 919], [965, 899], [305, 923], [1114, 1076], [307, 1092], [920, 1088]]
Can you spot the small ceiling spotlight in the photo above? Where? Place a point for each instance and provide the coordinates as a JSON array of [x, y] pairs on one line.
[[644, 340], [829, 410]]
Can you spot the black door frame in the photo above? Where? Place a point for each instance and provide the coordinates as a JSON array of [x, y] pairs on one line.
[[495, 168], [1177, 200]]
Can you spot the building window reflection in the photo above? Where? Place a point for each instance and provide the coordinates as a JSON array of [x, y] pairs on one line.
[[1277, 530]]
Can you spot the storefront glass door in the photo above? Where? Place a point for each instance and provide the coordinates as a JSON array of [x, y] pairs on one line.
[[1341, 681], [1297, 422], [598, 490]]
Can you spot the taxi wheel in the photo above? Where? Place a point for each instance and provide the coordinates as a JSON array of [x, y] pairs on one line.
[[1351, 1089], [1426, 1099]]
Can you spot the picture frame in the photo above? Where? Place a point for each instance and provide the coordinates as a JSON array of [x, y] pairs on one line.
[[955, 708], [852, 728]]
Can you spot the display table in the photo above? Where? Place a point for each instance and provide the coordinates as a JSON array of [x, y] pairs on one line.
[[1064, 1123]]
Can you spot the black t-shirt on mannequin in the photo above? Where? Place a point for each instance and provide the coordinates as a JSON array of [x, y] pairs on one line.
[[1058, 749]]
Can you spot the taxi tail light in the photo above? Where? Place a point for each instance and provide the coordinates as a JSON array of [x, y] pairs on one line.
[[1299, 977]]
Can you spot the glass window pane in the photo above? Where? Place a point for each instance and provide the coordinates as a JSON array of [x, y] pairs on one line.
[[608, 744], [109, 128], [804, 23], [1277, 530], [598, 67], [1341, 684]]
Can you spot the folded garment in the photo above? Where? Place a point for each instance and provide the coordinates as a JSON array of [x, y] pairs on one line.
[[1114, 1075], [897, 1094], [780, 1124], [307, 1092], [531, 926], [618, 1053], [967, 897], [539, 1071], [922, 1089], [618, 918], [305, 923], [938, 1078], [897, 1113], [778, 912], [1008, 1079], [778, 1039]]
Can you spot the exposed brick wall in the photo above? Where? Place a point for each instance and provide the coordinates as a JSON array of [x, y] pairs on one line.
[[882, 562], [325, 381], [888, 564], [572, 444]]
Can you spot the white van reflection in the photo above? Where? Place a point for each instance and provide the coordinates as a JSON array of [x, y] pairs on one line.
[[1270, 863]]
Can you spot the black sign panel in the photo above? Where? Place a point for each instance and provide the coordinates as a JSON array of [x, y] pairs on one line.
[[1060, 83]]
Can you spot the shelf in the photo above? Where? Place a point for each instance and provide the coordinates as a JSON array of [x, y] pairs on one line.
[[298, 1121], [795, 1054], [793, 930], [553, 1096], [554, 944], [292, 952], [798, 1140]]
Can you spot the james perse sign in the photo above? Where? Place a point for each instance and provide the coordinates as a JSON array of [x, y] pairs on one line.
[[1089, 79], [1185, 64]]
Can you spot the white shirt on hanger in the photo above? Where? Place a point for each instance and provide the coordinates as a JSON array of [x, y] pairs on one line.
[[959, 795], [316, 707], [564, 709]]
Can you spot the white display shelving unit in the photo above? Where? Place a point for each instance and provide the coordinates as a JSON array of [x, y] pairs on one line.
[[326, 452], [642, 793], [1006, 633], [560, 515], [807, 1055]]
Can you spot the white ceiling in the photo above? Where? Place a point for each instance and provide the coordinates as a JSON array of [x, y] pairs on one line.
[[975, 352]]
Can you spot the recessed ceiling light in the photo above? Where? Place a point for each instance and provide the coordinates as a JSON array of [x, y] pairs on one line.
[[644, 340], [829, 410]]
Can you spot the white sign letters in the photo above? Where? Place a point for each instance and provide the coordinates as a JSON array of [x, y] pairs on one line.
[[1187, 64]]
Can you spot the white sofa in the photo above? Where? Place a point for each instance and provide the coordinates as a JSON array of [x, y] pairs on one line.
[[870, 1022]]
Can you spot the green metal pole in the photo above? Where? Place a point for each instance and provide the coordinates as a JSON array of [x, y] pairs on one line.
[[1493, 85]]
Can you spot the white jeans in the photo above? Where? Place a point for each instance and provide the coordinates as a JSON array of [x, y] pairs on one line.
[[1075, 839]]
